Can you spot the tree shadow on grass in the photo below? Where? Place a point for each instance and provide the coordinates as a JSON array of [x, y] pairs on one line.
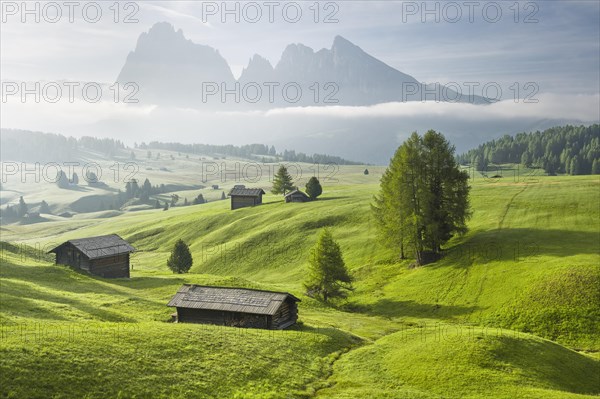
[[520, 245], [26, 291], [148, 282], [391, 308], [63, 278], [338, 197]]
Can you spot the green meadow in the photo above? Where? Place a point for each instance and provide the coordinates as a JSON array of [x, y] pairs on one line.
[[510, 311]]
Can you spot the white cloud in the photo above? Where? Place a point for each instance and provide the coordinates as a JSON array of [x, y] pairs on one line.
[[553, 106]]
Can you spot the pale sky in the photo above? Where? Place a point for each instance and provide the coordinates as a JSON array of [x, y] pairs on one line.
[[560, 52], [552, 44]]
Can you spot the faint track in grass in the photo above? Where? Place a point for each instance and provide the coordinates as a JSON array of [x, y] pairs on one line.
[[508, 205]]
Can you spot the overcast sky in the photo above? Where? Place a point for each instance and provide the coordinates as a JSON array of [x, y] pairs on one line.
[[554, 44]]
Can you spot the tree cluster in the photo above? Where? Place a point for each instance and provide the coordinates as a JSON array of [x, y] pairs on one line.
[[258, 152], [423, 199], [18, 211], [573, 150], [28, 146]]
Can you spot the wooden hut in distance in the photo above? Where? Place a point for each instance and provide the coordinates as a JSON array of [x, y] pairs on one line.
[[296, 196], [104, 256], [235, 307], [242, 197]]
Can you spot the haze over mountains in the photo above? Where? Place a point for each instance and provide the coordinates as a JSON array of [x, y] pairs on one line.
[[172, 70]]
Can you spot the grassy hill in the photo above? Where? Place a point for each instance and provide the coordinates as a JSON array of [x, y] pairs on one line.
[[524, 280]]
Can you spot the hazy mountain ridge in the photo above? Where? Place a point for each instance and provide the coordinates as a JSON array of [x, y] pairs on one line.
[[173, 70]]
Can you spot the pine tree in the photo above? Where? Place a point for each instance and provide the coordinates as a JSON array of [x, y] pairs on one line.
[[199, 199], [166, 207], [328, 277], [574, 169], [9, 213], [526, 159], [282, 181], [135, 188], [44, 208], [91, 178], [180, 260], [146, 190], [223, 196], [157, 204], [22, 208], [62, 181], [313, 188], [596, 167], [366, 172], [75, 179]]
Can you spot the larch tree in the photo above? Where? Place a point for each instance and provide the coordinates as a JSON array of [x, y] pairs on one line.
[[423, 199]]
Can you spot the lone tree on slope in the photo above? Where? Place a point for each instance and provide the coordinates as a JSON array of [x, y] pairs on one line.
[[282, 181], [180, 260], [313, 188], [328, 276]]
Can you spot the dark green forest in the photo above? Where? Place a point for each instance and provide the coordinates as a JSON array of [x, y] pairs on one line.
[[258, 152], [573, 150]]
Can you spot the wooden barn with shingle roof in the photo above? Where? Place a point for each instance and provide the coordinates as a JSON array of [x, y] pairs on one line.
[[236, 307], [242, 197], [105, 256]]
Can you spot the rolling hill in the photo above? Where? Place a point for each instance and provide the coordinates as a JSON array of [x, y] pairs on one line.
[[511, 310]]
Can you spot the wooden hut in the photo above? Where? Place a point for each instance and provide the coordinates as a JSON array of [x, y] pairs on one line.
[[105, 256], [296, 196], [242, 197], [236, 307]]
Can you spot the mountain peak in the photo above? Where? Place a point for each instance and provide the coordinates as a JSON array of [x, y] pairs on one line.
[[164, 30], [343, 45], [341, 41], [259, 69]]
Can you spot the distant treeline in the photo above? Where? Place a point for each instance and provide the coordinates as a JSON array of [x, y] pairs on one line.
[[28, 146], [574, 150], [257, 152]]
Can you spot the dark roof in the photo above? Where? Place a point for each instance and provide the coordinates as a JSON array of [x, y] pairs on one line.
[[296, 192], [229, 299], [99, 247], [246, 192]]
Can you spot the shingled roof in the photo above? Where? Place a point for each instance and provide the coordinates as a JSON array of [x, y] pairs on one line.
[[246, 192], [295, 192], [99, 247], [229, 299]]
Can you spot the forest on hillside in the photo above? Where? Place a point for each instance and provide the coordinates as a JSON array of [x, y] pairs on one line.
[[257, 152], [573, 150], [28, 146]]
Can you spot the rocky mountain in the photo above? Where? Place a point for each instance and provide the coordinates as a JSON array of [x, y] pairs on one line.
[[172, 69], [168, 68]]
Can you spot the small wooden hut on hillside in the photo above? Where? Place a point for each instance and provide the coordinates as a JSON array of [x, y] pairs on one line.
[[242, 197], [296, 196], [236, 307], [105, 256]]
